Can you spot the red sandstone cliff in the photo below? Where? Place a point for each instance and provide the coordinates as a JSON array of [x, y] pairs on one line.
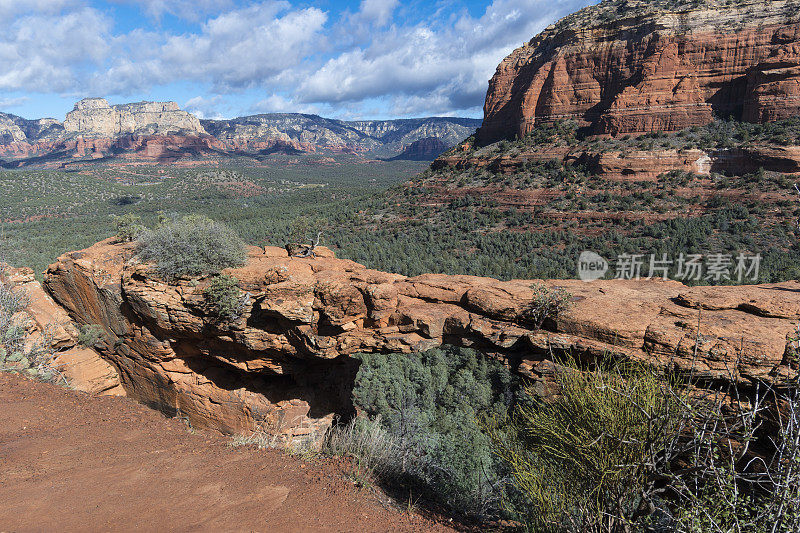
[[284, 365], [640, 66], [48, 325]]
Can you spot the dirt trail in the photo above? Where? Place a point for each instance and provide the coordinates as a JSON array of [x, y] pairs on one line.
[[71, 462]]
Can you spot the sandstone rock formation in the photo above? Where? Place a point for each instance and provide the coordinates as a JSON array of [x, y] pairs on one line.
[[95, 117], [15, 130], [284, 365], [634, 165], [647, 65], [49, 324], [153, 131]]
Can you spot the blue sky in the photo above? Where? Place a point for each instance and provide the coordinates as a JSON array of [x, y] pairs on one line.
[[227, 58]]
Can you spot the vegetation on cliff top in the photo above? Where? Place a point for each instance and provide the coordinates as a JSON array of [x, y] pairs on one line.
[[191, 246], [612, 11], [515, 213]]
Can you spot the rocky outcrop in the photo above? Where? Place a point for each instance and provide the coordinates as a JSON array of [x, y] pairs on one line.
[[15, 130], [633, 165], [151, 131], [150, 148], [627, 66], [285, 364], [49, 327]]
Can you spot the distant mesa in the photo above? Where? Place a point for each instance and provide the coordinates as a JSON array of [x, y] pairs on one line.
[[425, 149], [163, 133], [636, 66], [94, 116]]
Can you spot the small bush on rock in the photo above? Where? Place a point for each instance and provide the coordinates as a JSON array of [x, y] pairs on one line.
[[129, 226], [90, 334], [224, 297], [546, 303], [192, 246]]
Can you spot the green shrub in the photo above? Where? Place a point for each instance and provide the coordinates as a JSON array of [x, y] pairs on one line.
[[224, 297], [90, 334], [622, 447], [428, 405], [192, 246], [546, 303], [129, 226]]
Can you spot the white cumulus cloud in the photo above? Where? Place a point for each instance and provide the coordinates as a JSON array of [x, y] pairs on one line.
[[438, 65], [242, 48], [45, 53], [382, 57]]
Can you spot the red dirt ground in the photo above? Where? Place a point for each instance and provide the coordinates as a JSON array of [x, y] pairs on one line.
[[72, 462]]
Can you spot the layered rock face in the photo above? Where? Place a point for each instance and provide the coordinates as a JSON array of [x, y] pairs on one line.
[[635, 165], [49, 326], [629, 66], [15, 130], [154, 131], [95, 117], [285, 364]]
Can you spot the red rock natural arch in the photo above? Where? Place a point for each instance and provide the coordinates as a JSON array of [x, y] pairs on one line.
[[285, 365]]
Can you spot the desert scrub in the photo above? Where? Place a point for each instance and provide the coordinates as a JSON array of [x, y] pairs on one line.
[[223, 297], [582, 459], [373, 450], [545, 304], [129, 226], [191, 246], [420, 431], [90, 334], [609, 450]]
